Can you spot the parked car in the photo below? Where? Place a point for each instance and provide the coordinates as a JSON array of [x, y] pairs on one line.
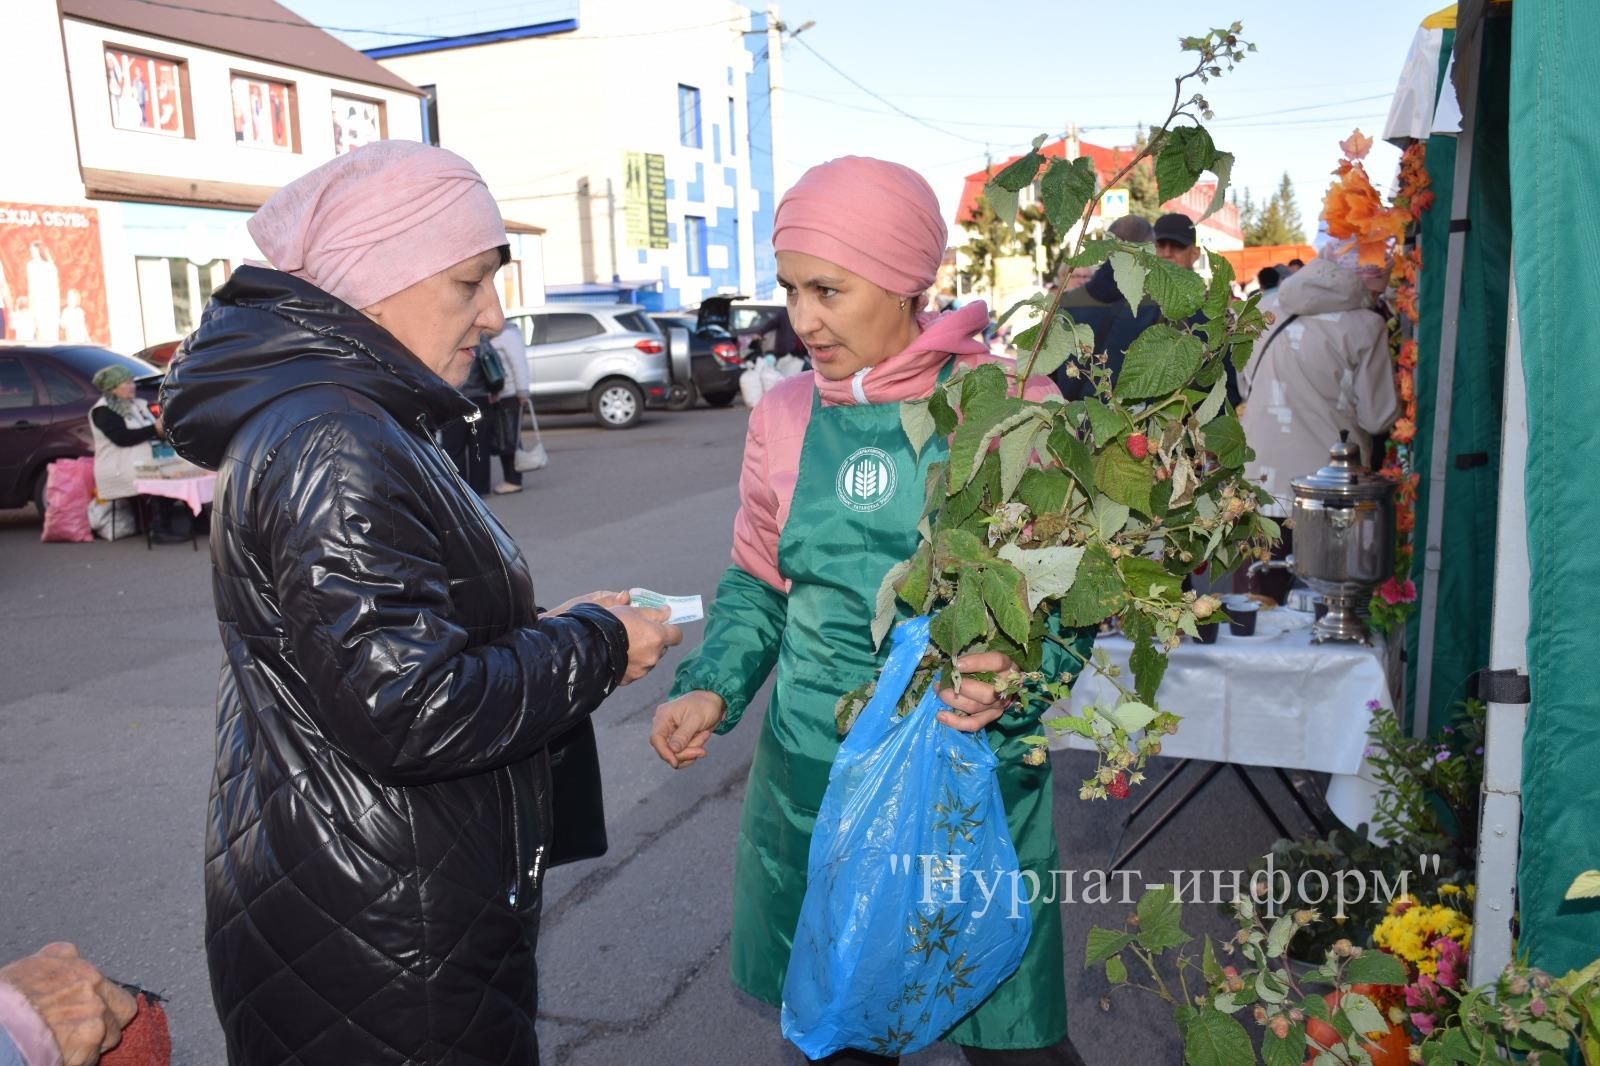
[[45, 396], [159, 355], [715, 362], [760, 328], [609, 359]]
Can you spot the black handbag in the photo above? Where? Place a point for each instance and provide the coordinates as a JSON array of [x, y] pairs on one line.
[[577, 801], [507, 426], [489, 365]]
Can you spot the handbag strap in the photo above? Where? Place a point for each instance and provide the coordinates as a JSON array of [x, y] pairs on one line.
[[1250, 385], [533, 417]]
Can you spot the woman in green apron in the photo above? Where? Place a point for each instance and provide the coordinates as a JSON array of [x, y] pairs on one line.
[[830, 498]]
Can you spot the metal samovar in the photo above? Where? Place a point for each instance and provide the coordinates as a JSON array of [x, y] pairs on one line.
[[1343, 539]]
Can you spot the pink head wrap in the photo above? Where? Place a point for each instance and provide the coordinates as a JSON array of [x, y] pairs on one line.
[[379, 219], [872, 217]]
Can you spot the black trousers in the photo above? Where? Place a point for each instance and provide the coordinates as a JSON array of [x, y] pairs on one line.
[[469, 450], [1062, 1054]]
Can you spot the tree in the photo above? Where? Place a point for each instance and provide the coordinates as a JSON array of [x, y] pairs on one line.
[[1249, 214], [1144, 199], [1276, 223]]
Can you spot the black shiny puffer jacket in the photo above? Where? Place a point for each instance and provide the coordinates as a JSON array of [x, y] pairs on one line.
[[374, 853]]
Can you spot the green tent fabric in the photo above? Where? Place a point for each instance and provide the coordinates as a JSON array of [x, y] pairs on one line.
[[1553, 77], [1472, 481]]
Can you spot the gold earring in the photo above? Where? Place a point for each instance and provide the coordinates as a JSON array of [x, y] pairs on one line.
[[902, 305]]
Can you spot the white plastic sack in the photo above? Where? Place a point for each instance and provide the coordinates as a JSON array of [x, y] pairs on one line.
[[790, 365], [751, 387], [113, 519]]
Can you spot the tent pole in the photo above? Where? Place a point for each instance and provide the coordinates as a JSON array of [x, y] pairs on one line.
[[1499, 826], [1468, 60]]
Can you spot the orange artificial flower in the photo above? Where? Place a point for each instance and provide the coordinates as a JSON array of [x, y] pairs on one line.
[[1408, 355], [1354, 211], [1404, 431], [1408, 388], [1405, 302], [1405, 521], [1356, 146]]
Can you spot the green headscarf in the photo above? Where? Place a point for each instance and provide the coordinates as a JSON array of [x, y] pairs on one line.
[[108, 379]]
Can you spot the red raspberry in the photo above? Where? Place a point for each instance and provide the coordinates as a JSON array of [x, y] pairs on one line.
[[1118, 788], [1138, 445]]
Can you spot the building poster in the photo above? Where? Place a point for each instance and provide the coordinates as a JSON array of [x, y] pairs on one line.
[[146, 93], [263, 113], [644, 185], [355, 122], [1113, 204], [52, 279]]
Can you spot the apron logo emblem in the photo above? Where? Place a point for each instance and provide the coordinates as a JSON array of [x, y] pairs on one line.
[[866, 480]]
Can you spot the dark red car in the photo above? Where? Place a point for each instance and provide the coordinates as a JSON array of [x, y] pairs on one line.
[[45, 396]]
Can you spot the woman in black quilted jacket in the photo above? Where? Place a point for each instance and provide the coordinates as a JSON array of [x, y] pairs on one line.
[[380, 818]]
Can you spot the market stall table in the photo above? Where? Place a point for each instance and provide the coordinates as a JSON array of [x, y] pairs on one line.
[[195, 489], [1271, 700]]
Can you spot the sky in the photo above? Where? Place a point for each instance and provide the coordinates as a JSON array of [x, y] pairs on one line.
[[983, 79]]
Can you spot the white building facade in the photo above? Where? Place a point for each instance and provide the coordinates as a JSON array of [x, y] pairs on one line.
[[149, 136], [638, 135]]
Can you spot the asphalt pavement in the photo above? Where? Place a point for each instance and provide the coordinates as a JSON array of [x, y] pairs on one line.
[[108, 668]]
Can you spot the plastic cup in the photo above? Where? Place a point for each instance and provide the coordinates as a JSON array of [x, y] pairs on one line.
[[1242, 618]]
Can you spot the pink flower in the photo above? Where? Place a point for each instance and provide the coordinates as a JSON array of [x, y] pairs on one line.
[[1393, 592], [1423, 1022], [1452, 962]]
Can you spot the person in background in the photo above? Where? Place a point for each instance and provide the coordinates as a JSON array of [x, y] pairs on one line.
[[382, 811], [1322, 368], [56, 1009], [124, 431], [1267, 278], [468, 441], [1098, 304], [1178, 243], [513, 354], [1294, 265]]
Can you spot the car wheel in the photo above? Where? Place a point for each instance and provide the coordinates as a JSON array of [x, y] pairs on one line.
[[721, 399], [39, 484], [617, 404], [681, 396]]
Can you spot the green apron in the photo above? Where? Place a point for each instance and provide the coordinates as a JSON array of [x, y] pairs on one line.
[[857, 504]]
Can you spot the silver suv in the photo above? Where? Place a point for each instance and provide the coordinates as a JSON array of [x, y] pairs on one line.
[[610, 359]]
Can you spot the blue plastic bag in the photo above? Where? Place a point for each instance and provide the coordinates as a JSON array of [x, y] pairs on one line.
[[898, 940]]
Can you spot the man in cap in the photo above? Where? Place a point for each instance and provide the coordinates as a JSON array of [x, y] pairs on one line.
[[1098, 304], [1176, 241]]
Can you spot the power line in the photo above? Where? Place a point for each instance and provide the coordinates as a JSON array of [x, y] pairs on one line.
[[881, 99]]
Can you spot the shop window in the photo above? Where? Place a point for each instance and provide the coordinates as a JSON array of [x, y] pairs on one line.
[[264, 113], [173, 292], [689, 116], [356, 122], [148, 93], [694, 240]]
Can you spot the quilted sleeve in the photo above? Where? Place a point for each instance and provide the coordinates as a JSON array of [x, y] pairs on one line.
[[358, 571]]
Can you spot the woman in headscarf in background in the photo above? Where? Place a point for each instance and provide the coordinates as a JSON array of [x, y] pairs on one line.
[[858, 244], [380, 820]]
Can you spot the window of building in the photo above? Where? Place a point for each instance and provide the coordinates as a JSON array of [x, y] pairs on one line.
[[694, 240], [264, 113], [16, 387], [689, 116], [560, 327], [173, 292], [148, 93], [733, 140], [430, 114], [509, 281], [357, 121]]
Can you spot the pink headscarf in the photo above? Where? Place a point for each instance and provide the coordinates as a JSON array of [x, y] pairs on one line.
[[379, 219], [872, 217]]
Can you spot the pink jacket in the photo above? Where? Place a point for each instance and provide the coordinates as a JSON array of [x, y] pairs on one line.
[[778, 426]]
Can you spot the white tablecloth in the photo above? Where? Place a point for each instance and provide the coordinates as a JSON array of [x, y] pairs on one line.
[[196, 490], [1273, 699]]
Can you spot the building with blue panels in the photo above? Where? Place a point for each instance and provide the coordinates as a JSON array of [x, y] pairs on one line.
[[639, 136]]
